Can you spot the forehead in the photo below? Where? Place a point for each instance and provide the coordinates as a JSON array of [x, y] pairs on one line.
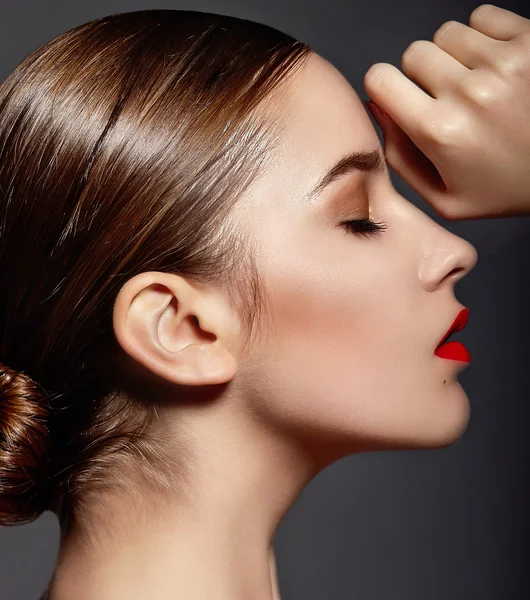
[[321, 119]]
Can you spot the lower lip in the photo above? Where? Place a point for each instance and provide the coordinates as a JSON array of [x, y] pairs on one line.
[[453, 351]]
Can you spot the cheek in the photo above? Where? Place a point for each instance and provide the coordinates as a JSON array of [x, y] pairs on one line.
[[342, 304], [334, 325], [348, 361]]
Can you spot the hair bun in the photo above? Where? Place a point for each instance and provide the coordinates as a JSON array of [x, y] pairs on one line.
[[24, 448]]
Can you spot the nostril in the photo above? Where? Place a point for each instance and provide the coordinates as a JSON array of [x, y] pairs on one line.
[[455, 271]]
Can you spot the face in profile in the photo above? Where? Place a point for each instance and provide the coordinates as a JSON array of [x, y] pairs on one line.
[[355, 317]]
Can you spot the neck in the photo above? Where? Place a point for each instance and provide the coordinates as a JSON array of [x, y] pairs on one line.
[[214, 540], [161, 568]]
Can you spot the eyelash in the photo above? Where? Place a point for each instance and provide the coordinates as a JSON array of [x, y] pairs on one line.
[[365, 227]]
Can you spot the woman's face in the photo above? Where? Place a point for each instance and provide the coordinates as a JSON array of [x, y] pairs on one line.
[[349, 358]]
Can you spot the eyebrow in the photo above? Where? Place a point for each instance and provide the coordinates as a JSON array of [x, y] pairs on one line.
[[365, 160]]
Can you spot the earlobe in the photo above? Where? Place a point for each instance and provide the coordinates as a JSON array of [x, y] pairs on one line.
[[159, 320], [207, 364]]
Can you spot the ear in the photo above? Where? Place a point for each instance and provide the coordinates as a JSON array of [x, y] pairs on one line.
[[175, 329]]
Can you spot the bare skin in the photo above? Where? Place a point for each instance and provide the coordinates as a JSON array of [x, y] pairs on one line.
[[348, 315], [464, 143]]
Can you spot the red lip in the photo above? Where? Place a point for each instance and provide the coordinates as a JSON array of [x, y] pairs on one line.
[[455, 350]]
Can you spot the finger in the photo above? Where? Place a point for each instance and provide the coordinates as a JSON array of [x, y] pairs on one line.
[[498, 23], [469, 47], [407, 160], [432, 67], [402, 99]]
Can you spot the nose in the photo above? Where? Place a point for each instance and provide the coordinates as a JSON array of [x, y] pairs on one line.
[[446, 257]]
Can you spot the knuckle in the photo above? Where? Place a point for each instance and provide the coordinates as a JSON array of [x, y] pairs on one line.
[[524, 38], [512, 57], [442, 133], [515, 64], [481, 91], [447, 206], [522, 43], [448, 211]]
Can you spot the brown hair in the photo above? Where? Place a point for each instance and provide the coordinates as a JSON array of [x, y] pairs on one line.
[[124, 144]]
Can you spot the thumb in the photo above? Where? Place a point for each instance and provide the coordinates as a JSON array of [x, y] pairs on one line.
[[407, 160]]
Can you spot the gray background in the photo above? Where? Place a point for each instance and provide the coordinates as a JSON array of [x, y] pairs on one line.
[[415, 525]]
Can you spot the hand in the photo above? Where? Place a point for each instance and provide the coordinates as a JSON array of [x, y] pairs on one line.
[[464, 143]]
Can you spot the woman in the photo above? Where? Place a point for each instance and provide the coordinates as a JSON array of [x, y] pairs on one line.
[[214, 293]]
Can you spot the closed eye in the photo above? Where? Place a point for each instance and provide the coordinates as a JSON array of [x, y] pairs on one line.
[[365, 227]]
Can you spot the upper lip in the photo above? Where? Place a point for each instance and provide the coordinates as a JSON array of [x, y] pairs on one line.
[[458, 324]]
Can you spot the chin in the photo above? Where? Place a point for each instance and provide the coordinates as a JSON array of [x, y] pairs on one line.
[[449, 430], [442, 429], [452, 436]]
